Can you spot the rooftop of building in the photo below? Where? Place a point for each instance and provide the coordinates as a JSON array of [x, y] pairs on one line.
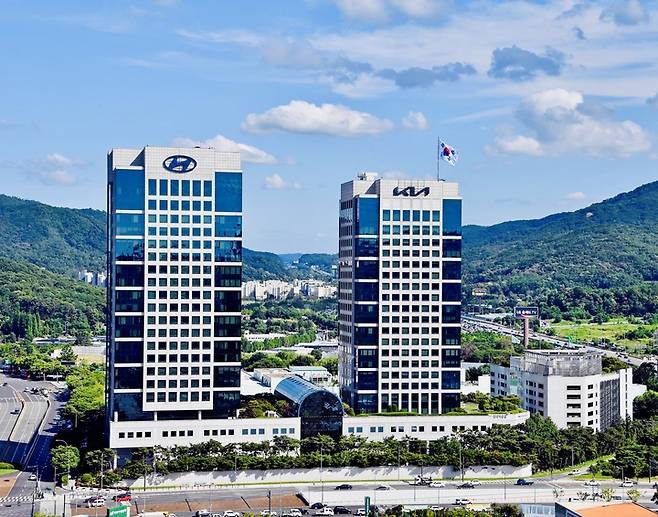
[[565, 363], [608, 510]]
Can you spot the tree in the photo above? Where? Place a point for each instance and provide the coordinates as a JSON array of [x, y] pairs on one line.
[[607, 494], [646, 405], [100, 460], [64, 458]]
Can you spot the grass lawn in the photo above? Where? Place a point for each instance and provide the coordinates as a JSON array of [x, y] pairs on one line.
[[613, 331], [583, 467], [4, 472]]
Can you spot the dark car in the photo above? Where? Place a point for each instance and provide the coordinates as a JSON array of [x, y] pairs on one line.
[[523, 482], [317, 506], [344, 486], [468, 484], [341, 509]]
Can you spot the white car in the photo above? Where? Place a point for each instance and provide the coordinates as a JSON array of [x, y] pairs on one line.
[[295, 512], [384, 487], [437, 484], [627, 484], [360, 512], [592, 482], [96, 502], [325, 511], [33, 477], [435, 508], [230, 513], [462, 501], [574, 472], [268, 513]]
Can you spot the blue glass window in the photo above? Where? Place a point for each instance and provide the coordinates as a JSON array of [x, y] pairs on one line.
[[436, 216], [451, 292], [163, 187], [186, 187], [207, 188], [387, 215], [366, 403], [416, 215], [228, 226], [129, 275], [153, 187], [174, 187], [366, 269], [129, 301], [396, 215], [366, 247], [452, 270], [367, 381], [450, 380], [449, 401], [128, 326], [452, 248], [128, 190], [129, 249], [450, 358], [367, 216], [196, 188], [365, 313], [451, 313], [129, 224], [129, 407], [128, 352], [366, 292], [452, 217], [406, 215], [228, 192], [367, 358], [451, 336], [228, 251]]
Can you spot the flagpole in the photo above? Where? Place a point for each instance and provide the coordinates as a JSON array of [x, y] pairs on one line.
[[438, 158]]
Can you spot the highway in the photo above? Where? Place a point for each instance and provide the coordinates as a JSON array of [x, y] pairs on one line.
[[483, 324], [254, 499]]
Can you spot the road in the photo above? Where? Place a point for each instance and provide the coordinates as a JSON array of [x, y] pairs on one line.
[[27, 442], [484, 324], [254, 499]]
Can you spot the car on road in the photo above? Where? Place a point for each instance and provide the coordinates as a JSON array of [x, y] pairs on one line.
[[120, 498], [341, 510], [317, 506], [384, 487], [268, 513], [468, 484], [462, 501], [360, 512], [96, 502], [592, 482], [523, 482], [325, 511], [230, 513], [344, 486], [435, 508], [16, 411], [574, 472], [202, 513], [293, 512], [33, 477], [437, 484], [627, 484]]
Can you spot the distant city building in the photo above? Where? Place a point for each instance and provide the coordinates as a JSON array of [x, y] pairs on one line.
[[569, 387], [280, 289], [93, 278], [400, 294], [175, 264]]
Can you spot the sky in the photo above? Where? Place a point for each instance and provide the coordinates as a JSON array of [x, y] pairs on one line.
[[552, 105]]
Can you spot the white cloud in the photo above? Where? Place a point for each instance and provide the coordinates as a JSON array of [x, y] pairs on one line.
[[276, 182], [415, 120], [248, 153], [62, 161], [629, 12], [380, 10], [56, 177], [561, 121], [328, 119], [575, 196]]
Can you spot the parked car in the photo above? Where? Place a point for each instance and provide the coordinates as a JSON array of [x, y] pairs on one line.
[[436, 508], [462, 501], [317, 506], [524, 482], [325, 511], [360, 512], [96, 502], [627, 484], [293, 512], [468, 484], [344, 486], [384, 487], [592, 482], [119, 498], [341, 510], [268, 513], [230, 513], [202, 513]]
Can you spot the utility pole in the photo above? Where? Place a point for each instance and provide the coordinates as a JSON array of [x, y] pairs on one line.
[[269, 502], [321, 477]]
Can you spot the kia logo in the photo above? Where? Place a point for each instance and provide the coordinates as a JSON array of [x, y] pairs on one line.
[[411, 192], [179, 163]]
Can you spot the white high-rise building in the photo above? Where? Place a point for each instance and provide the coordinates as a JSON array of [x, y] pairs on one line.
[[399, 294], [569, 387], [174, 292]]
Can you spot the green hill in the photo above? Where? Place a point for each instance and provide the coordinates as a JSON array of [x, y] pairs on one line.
[[601, 259], [62, 240]]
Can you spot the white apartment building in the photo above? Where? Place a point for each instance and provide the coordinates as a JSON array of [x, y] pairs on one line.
[[569, 387], [399, 294]]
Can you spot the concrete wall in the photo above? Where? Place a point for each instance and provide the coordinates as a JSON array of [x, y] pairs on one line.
[[327, 475]]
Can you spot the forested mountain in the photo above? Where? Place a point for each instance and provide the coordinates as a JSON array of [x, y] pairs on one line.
[[601, 259], [62, 240]]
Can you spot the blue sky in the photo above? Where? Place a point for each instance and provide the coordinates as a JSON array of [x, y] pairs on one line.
[[552, 105]]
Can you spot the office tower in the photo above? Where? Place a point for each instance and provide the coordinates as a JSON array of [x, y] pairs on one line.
[[174, 288], [399, 294]]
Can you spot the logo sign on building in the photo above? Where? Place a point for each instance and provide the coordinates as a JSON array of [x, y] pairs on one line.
[[526, 312], [119, 511], [179, 163], [411, 192]]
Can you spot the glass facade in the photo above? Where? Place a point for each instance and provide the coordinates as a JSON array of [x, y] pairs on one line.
[[174, 330], [367, 216], [452, 217]]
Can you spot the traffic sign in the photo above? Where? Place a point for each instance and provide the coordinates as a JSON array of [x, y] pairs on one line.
[[366, 504], [119, 511]]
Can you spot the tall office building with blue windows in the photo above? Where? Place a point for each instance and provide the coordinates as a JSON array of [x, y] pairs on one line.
[[174, 287], [399, 294]]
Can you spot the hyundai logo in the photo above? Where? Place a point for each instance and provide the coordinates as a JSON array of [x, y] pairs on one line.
[[179, 163]]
